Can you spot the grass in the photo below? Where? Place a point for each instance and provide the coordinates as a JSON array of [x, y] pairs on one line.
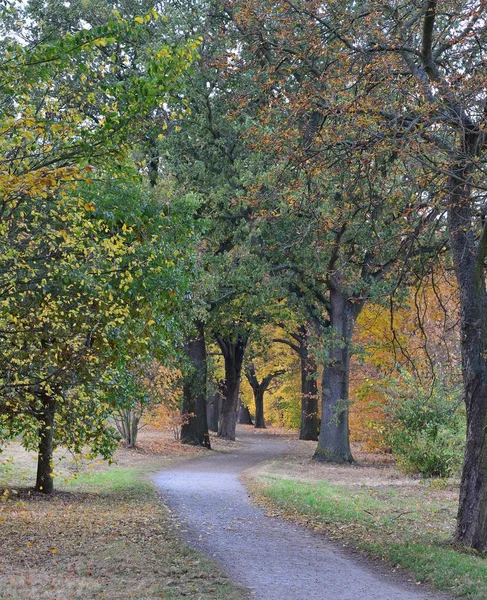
[[104, 535], [409, 527]]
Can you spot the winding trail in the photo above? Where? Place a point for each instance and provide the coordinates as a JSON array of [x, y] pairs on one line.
[[276, 560]]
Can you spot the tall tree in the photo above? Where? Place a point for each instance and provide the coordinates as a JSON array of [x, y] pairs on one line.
[[418, 76], [259, 389], [300, 343], [60, 316], [344, 214], [195, 426], [207, 157]]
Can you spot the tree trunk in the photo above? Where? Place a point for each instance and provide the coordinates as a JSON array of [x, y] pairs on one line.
[[233, 354], [334, 438], [259, 389], [244, 417], [259, 408], [44, 480], [309, 387], [228, 414], [469, 260], [195, 427], [134, 429], [309, 391], [213, 411]]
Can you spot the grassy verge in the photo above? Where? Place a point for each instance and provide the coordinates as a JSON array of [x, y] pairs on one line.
[[102, 536], [406, 526]]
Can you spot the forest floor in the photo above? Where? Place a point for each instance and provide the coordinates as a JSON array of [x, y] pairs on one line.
[[311, 530], [276, 559], [103, 535]]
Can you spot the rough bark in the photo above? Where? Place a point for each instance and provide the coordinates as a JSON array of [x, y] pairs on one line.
[[469, 259], [259, 409], [213, 411], [44, 479], [195, 427], [233, 354], [334, 438]]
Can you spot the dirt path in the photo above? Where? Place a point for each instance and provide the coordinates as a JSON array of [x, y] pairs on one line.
[[276, 560]]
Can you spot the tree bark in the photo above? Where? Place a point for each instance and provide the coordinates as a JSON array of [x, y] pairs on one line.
[[259, 409], [195, 428], [233, 354], [44, 479], [134, 427], [309, 391], [334, 438], [469, 261], [213, 411]]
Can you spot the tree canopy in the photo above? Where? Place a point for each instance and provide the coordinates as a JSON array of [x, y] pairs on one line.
[[202, 183]]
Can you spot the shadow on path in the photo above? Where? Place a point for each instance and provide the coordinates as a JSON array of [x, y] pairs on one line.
[[276, 560]]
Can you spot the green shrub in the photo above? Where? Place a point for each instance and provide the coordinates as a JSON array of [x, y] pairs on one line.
[[425, 427]]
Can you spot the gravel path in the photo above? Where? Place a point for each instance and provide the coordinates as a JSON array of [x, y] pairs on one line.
[[276, 560]]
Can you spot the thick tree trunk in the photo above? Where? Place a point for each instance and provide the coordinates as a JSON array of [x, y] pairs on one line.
[[334, 438], [259, 408], [469, 260], [309, 392], [213, 411], [244, 417], [44, 480], [233, 354], [228, 414], [195, 428]]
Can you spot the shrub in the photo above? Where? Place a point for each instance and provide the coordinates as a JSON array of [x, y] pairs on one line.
[[136, 394], [425, 426]]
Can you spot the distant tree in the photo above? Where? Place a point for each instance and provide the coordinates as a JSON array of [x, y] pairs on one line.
[[259, 389], [300, 343], [244, 416]]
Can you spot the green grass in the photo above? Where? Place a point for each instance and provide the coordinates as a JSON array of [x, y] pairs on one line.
[[126, 479], [406, 528]]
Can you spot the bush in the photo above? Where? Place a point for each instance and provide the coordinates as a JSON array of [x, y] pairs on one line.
[[425, 427], [137, 392]]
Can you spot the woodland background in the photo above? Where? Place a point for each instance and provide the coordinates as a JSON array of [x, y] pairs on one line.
[[207, 206]]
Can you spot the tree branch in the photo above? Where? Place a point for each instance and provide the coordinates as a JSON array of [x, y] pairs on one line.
[[427, 45]]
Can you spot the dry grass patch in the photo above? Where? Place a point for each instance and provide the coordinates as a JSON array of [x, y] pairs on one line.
[[105, 535]]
